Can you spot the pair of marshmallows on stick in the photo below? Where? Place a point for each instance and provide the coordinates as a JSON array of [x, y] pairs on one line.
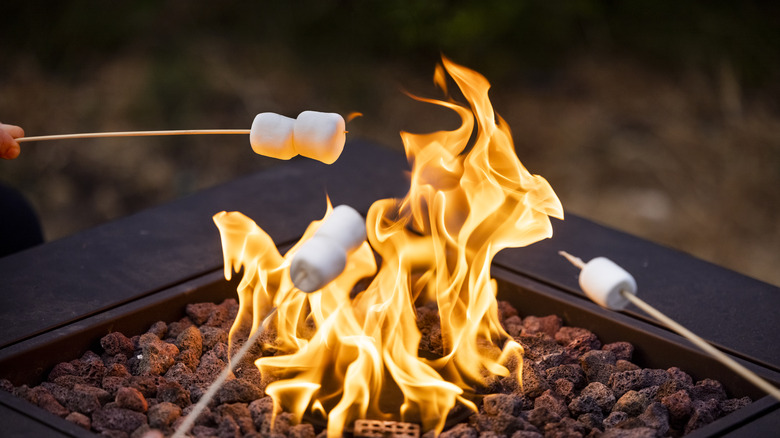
[[313, 134]]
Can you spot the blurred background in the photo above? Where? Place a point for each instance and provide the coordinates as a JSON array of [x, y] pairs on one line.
[[661, 119]]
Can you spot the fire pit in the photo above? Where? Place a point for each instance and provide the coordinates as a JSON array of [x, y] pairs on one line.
[[61, 298], [349, 351]]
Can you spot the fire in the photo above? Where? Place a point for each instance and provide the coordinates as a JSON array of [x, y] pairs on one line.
[[342, 354]]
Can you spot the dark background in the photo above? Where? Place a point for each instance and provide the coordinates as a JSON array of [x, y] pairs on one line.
[[658, 118]]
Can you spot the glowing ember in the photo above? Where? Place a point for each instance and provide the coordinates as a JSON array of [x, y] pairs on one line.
[[343, 354]]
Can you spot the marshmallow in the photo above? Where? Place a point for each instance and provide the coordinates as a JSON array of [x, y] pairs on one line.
[[324, 256], [272, 135], [602, 280], [320, 136]]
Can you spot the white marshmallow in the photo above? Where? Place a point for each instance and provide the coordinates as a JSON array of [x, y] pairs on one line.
[[323, 257], [320, 136], [272, 136], [602, 280]]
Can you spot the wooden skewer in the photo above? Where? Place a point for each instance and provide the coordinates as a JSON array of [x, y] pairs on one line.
[[704, 345], [190, 419], [136, 134]]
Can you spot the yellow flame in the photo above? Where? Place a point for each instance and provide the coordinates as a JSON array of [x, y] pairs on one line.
[[345, 353]]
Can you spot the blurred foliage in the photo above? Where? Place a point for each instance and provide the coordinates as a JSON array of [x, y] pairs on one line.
[[494, 36]]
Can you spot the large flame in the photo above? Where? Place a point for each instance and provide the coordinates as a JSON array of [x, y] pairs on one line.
[[344, 354]]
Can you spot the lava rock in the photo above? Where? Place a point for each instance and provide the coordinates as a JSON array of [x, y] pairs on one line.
[[509, 404], [210, 336], [548, 325], [159, 329], [172, 391], [656, 416], [708, 389], [131, 398], [460, 431], [704, 412], [570, 372], [240, 414], [621, 350], [79, 419], [156, 356], [117, 343], [534, 384], [632, 403], [163, 415], [238, 391], [598, 365], [112, 419], [199, 312]]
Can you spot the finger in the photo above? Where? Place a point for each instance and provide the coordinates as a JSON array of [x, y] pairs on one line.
[[13, 130], [9, 148]]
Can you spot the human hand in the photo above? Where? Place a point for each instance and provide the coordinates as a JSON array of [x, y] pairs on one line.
[[9, 147]]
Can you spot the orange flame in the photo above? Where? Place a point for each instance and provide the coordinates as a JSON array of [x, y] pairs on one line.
[[342, 355]]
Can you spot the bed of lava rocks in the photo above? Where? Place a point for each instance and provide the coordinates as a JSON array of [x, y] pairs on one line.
[[573, 386]]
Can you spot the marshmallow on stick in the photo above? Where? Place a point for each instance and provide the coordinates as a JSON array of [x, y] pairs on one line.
[[611, 286], [324, 256], [313, 134]]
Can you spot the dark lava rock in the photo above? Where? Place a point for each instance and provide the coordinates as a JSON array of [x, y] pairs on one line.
[[570, 372], [548, 325], [598, 365], [509, 404], [156, 356], [238, 391], [632, 403], [163, 414], [621, 350], [117, 343], [131, 398], [79, 419], [704, 412], [460, 431], [111, 419], [708, 389]]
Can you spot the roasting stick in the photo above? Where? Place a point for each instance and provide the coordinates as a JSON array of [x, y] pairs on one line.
[[189, 420], [612, 287], [135, 134]]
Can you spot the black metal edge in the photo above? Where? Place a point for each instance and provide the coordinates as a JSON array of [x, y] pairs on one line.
[[732, 423]]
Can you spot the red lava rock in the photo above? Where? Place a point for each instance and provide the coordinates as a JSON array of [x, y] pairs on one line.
[[159, 329], [131, 398], [460, 431], [79, 419], [261, 411], [238, 391], [534, 384], [172, 391], [163, 414], [86, 399], [494, 404], [596, 398], [577, 341], [203, 431], [281, 424], [62, 369], [156, 356], [209, 368], [146, 384], [179, 372], [621, 350], [199, 312], [708, 389], [219, 317], [570, 372], [632, 403], [657, 417], [566, 427], [731, 405], [552, 403], [549, 325], [598, 365], [188, 358], [539, 346], [704, 412], [680, 376], [176, 327], [190, 339], [614, 419], [301, 431], [505, 310], [624, 365], [210, 336], [513, 325], [678, 404], [120, 419], [117, 343], [239, 412], [564, 388]]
